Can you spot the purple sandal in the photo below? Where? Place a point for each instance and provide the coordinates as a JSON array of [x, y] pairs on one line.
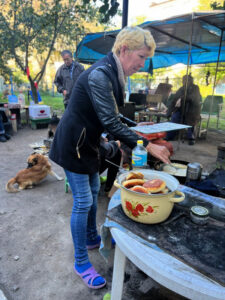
[[90, 275]]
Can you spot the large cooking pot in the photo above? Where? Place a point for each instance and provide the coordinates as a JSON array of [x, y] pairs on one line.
[[152, 208]]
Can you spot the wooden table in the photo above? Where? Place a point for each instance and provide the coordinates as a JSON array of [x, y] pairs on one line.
[[16, 108]]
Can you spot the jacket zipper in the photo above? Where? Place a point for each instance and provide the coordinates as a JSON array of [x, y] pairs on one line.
[[83, 133]]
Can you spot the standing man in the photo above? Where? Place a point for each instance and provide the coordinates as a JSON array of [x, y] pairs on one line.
[[67, 75]]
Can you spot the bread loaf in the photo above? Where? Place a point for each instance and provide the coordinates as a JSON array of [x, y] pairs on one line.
[[155, 185], [139, 189], [130, 183], [134, 175]]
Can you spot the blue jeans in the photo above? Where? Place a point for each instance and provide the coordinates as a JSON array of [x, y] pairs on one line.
[[85, 189], [176, 118]]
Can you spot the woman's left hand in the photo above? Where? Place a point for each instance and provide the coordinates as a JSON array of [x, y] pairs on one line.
[[160, 152]]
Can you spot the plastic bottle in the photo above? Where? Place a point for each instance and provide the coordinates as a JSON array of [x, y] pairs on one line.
[[139, 156]]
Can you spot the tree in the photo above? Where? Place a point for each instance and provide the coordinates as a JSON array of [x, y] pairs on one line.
[[211, 5], [28, 26]]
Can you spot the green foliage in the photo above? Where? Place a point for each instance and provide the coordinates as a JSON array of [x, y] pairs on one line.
[[211, 4], [218, 5], [108, 10], [30, 27]]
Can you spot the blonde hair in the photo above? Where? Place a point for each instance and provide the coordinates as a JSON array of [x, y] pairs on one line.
[[134, 38]]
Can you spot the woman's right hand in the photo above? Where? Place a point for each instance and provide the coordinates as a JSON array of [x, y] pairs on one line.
[[160, 152]]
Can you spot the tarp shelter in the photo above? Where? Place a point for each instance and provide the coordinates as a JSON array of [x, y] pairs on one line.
[[189, 39]]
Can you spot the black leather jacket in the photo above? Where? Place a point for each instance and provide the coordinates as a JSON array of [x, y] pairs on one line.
[[93, 108]]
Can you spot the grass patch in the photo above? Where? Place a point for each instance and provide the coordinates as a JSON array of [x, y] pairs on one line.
[[55, 102]]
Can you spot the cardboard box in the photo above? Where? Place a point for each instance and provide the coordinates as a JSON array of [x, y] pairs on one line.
[[37, 111]]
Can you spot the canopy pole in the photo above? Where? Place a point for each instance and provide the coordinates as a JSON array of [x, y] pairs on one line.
[[186, 83], [125, 13], [214, 84]]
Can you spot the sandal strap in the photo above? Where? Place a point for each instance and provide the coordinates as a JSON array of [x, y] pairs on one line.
[[89, 274]]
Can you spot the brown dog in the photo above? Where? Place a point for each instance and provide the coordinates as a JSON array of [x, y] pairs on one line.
[[38, 168]]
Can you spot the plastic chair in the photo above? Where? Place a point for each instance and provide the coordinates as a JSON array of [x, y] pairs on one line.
[[164, 89], [154, 101]]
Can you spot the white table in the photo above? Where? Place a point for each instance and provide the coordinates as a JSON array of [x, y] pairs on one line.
[[160, 127], [163, 268]]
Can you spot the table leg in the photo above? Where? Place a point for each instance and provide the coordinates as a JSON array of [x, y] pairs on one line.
[[27, 115], [118, 274]]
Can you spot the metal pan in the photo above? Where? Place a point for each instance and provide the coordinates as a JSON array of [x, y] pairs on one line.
[[159, 166]]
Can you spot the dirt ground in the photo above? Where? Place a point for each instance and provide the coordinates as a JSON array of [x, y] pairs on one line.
[[36, 252]]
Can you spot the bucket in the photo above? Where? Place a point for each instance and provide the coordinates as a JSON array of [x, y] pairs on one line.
[[194, 171], [14, 123], [13, 117]]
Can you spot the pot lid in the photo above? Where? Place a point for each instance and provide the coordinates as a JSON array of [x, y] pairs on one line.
[[200, 211], [194, 166]]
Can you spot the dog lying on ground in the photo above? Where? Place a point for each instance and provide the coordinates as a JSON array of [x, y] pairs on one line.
[[38, 168]]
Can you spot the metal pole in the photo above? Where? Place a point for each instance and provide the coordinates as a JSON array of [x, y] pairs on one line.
[[217, 63], [125, 13]]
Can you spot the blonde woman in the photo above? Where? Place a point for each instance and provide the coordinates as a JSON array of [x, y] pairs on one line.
[[93, 108]]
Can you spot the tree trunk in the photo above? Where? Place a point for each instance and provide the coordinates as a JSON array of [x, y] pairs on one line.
[[34, 90]]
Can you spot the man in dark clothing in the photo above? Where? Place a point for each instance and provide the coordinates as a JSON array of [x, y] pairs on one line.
[[67, 75], [3, 135], [191, 106]]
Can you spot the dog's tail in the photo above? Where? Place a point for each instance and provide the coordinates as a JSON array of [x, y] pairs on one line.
[[9, 186]]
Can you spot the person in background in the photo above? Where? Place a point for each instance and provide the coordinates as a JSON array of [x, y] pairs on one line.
[[67, 75], [191, 107], [3, 135], [5, 94], [93, 109], [21, 98]]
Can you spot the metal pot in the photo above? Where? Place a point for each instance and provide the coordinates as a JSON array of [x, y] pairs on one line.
[[152, 208], [194, 171], [182, 179]]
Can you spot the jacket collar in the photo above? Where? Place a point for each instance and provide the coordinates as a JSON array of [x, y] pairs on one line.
[[111, 60], [66, 67]]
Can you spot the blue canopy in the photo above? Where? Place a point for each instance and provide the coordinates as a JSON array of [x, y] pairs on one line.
[[200, 34]]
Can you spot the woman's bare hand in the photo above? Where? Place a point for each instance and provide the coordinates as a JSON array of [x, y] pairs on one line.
[[118, 143], [160, 152]]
